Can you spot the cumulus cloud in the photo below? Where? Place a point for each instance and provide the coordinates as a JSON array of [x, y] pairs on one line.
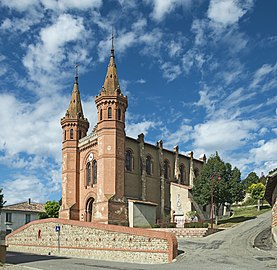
[[43, 60], [163, 8], [63, 5], [265, 152], [223, 135], [228, 12], [134, 129], [24, 187]]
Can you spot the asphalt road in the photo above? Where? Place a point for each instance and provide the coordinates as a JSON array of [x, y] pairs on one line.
[[234, 248]]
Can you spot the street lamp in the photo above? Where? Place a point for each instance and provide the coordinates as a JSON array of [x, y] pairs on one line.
[[212, 200]]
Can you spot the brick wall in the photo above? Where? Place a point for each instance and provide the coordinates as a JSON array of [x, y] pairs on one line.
[[94, 240]]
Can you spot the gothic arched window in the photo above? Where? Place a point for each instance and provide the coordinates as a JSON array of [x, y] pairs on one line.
[[148, 165], [109, 112], [118, 114], [94, 165], [128, 160], [182, 173], [71, 134], [166, 169], [88, 174], [80, 134], [101, 114], [65, 135]]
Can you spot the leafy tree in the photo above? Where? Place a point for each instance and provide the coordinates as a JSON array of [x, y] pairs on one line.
[[225, 182], [51, 210], [257, 192], [252, 178], [2, 202]]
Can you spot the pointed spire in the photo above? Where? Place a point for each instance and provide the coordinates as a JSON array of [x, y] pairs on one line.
[[75, 106], [111, 84], [76, 73]]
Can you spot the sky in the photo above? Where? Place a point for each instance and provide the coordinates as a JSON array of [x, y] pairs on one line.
[[201, 74]]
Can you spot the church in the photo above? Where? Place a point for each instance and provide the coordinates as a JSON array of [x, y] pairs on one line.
[[111, 178]]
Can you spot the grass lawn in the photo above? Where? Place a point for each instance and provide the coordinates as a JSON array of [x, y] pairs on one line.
[[241, 214]]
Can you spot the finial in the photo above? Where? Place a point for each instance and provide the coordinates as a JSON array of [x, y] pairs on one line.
[[76, 73], [112, 50]]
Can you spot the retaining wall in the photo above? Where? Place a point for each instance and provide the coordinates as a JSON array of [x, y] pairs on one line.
[[188, 232], [93, 240]]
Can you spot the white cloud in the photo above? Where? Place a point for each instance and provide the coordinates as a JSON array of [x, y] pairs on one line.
[[223, 135], [21, 5], [164, 7], [63, 5], [141, 81], [228, 12], [29, 131], [265, 152], [181, 136], [262, 73], [134, 129], [71, 4], [170, 71], [24, 187], [43, 60]]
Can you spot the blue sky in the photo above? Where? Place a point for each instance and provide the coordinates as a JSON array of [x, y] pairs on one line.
[[200, 74]]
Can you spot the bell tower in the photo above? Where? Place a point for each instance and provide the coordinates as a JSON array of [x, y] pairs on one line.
[[111, 107], [75, 127]]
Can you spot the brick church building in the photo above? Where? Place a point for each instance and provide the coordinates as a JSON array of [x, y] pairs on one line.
[[111, 178]]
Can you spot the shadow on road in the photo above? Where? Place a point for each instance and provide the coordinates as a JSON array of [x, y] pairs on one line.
[[236, 219], [18, 257]]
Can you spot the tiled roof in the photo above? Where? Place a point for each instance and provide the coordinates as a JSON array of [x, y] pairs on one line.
[[25, 206]]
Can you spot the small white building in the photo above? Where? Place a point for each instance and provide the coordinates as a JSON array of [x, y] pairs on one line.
[[16, 215]]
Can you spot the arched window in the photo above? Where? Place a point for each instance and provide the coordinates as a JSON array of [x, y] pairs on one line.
[[166, 169], [101, 114], [109, 112], [88, 174], [148, 165], [94, 165], [64, 135], [80, 134], [71, 134], [128, 160], [118, 114], [182, 173]]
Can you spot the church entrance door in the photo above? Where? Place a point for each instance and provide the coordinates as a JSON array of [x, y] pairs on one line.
[[89, 207]]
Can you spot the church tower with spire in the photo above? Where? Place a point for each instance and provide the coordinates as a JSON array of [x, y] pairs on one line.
[[111, 107], [75, 127]]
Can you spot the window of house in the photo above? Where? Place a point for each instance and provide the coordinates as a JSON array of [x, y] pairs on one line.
[[8, 217], [88, 174], [118, 114], [101, 114], [27, 218], [166, 169], [109, 112], [71, 134], [148, 165], [94, 171], [128, 160]]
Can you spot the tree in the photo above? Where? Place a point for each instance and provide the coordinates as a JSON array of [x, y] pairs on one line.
[[51, 210], [257, 192], [252, 178], [2, 202], [218, 178]]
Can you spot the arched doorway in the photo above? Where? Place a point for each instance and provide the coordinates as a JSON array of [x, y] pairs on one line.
[[89, 207]]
